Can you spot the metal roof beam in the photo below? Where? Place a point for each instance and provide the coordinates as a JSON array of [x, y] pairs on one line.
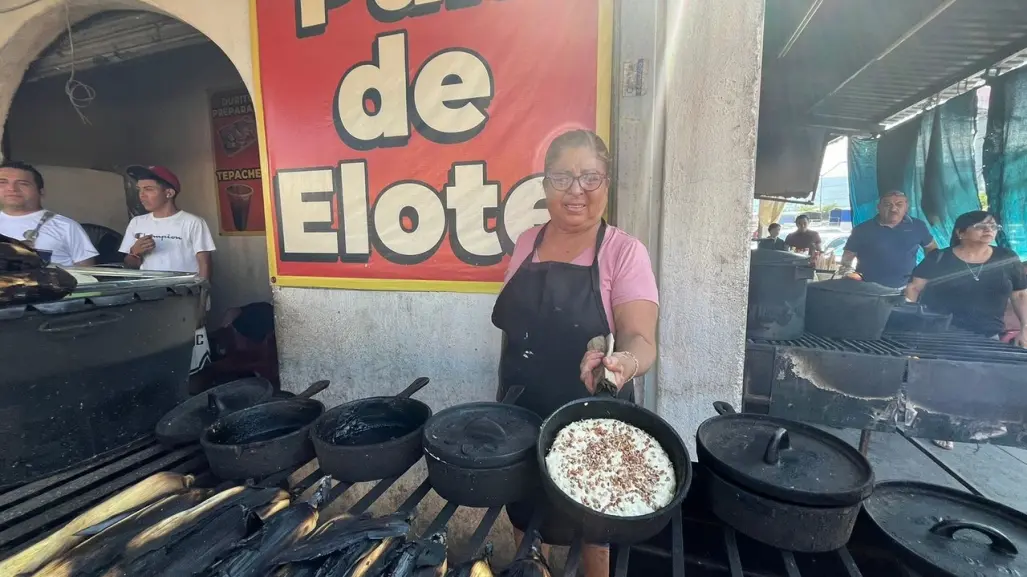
[[909, 34]]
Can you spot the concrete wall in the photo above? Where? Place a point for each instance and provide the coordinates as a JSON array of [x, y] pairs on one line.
[[713, 57], [94, 196], [151, 111]]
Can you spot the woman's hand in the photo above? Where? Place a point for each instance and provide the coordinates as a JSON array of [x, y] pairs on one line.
[[620, 364], [1021, 339]]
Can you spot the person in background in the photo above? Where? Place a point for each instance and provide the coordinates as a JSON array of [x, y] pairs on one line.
[[886, 247], [772, 242], [1011, 324], [167, 238], [245, 345], [804, 240], [973, 280], [57, 238], [172, 240], [568, 281]]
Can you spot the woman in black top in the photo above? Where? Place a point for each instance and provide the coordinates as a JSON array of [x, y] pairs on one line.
[[972, 279]]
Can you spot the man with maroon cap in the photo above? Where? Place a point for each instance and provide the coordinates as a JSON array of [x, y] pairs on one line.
[[166, 239]]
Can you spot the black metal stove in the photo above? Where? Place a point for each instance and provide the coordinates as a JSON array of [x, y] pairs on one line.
[[952, 385], [694, 544]]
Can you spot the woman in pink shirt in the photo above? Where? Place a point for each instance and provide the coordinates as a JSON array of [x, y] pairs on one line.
[[570, 280]]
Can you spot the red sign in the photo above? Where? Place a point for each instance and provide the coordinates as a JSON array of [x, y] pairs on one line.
[[237, 163], [405, 138]]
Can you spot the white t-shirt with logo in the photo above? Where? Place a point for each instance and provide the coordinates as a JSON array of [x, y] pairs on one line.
[[64, 238], [177, 237]]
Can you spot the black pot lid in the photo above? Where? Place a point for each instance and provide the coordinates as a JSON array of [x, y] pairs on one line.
[[853, 286], [482, 435], [765, 256], [955, 532], [785, 460]]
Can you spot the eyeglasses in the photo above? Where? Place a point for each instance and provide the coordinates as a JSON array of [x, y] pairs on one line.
[[588, 182], [983, 226]]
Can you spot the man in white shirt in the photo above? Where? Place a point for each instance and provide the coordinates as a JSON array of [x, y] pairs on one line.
[[23, 218], [166, 239], [169, 239]]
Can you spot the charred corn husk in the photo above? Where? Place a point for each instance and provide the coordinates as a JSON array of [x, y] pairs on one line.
[[297, 570], [531, 565], [480, 566], [200, 548], [101, 551], [342, 535], [149, 490], [377, 559], [427, 553], [341, 563], [253, 556], [178, 526], [432, 560]]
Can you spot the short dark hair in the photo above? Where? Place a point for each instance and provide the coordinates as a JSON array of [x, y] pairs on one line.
[[19, 165], [802, 217], [965, 221], [773, 225]]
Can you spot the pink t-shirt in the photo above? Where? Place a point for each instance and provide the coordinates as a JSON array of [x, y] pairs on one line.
[[625, 271]]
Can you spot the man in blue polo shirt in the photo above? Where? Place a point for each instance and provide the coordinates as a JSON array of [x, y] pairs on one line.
[[886, 247]]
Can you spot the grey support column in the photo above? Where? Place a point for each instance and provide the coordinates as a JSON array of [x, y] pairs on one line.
[[638, 136], [713, 57]]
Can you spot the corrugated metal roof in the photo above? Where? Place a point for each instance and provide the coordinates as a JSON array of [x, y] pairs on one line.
[[859, 65], [962, 39]]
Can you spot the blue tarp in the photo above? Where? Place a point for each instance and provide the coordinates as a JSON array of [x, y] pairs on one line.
[[863, 179], [1005, 158], [950, 179], [929, 158]]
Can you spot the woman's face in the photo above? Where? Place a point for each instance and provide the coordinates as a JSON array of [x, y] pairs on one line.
[[577, 188], [983, 232]]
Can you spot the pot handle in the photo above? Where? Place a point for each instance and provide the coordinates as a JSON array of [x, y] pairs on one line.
[[216, 405], [779, 441], [418, 384], [512, 394], [723, 408], [313, 389], [999, 542]]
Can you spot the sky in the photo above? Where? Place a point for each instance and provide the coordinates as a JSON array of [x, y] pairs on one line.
[[836, 159]]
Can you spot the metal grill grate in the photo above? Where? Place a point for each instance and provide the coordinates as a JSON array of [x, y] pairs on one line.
[[950, 345], [694, 544]]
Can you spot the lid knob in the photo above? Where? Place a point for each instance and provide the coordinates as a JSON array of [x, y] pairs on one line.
[[779, 441]]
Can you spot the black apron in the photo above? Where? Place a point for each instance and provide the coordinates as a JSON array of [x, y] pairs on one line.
[[548, 312]]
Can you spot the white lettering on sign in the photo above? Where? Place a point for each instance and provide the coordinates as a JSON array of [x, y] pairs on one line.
[[409, 222], [356, 246], [472, 202], [523, 208], [305, 213], [409, 219], [451, 93], [371, 101], [312, 15]]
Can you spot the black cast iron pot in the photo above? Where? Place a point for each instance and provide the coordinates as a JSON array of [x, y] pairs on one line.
[[571, 517], [479, 454], [943, 532], [261, 440], [373, 438], [783, 483]]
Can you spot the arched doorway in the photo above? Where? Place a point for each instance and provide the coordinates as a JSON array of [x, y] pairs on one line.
[[154, 69], [153, 76]]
